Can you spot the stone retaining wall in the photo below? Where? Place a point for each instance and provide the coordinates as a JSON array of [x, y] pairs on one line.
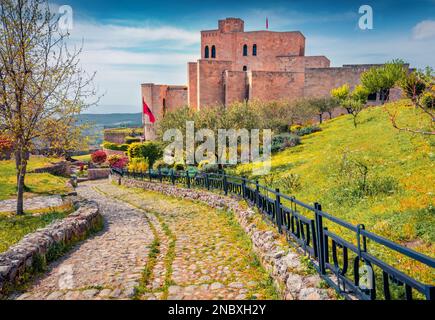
[[58, 169], [284, 265], [35, 250], [97, 174]]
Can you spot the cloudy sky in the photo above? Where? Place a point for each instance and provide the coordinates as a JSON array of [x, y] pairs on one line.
[[136, 41]]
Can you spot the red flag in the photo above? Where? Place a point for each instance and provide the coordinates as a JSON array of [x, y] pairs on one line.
[[148, 112]]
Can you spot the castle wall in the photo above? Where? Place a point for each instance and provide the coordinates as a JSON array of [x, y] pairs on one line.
[[176, 97], [235, 86], [276, 85], [211, 84], [320, 81], [193, 88]]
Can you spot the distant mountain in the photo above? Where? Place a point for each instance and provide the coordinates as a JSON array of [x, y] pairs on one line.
[[113, 119], [99, 122]]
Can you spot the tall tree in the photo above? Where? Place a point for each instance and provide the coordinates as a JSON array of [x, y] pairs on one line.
[[42, 86]]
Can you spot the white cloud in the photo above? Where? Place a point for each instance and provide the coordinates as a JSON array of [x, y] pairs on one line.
[[424, 30]]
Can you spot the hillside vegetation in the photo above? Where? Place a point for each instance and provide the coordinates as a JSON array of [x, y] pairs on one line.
[[396, 200]]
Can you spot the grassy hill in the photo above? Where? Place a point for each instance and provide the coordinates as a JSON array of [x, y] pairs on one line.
[[398, 202]]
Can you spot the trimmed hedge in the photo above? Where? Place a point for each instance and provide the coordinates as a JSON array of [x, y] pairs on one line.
[[115, 147]]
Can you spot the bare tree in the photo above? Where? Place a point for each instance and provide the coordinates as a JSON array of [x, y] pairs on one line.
[[42, 86]]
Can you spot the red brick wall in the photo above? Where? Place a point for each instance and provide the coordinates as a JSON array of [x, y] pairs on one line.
[[276, 85], [210, 86], [320, 82], [235, 86]]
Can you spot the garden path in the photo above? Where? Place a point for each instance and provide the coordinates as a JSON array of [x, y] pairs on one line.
[[156, 247]]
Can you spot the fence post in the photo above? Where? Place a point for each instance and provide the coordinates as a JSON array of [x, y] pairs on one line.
[[225, 184], [257, 193], [173, 177], [243, 187], [160, 175], [320, 237], [207, 183], [188, 179], [278, 216], [149, 172]]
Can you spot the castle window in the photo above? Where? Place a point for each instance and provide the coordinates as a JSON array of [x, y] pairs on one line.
[[213, 52], [207, 52], [254, 50], [245, 50], [245, 68]]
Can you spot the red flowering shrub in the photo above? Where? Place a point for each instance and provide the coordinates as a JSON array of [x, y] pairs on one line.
[[5, 143], [99, 157], [118, 161]]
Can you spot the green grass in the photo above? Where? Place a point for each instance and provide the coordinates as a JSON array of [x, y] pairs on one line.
[[401, 178], [14, 228], [37, 184], [83, 158]]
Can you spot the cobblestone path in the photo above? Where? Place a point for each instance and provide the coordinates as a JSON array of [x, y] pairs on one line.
[[106, 266], [204, 253], [156, 247]]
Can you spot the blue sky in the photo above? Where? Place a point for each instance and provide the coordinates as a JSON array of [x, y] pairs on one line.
[[132, 42]]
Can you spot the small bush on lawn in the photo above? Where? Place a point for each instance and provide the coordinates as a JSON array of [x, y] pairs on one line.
[[283, 141], [99, 157], [306, 130]]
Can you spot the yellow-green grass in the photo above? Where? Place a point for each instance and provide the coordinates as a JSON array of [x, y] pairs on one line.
[[37, 183], [84, 158], [406, 215], [13, 228]]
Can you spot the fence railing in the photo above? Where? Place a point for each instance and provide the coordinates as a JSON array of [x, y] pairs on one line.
[[346, 262]]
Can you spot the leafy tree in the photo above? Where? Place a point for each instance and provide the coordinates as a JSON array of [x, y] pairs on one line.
[[419, 87], [383, 78], [324, 105], [353, 101], [41, 84]]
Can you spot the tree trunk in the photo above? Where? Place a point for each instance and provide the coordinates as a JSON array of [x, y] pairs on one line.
[[21, 163], [330, 115], [321, 118]]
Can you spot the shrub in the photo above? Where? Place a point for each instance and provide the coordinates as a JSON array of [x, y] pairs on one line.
[[211, 168], [179, 166], [138, 165], [130, 140], [303, 131], [5, 143], [149, 150], [114, 146], [283, 141], [118, 161], [160, 164], [99, 157]]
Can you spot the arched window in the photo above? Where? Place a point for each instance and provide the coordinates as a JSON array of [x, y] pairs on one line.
[[245, 50], [213, 52], [207, 52], [254, 50], [245, 68]]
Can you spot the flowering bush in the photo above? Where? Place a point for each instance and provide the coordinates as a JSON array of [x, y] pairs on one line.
[[117, 161], [5, 143], [99, 157]]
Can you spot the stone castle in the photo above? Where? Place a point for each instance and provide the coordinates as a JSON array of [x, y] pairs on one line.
[[236, 65]]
